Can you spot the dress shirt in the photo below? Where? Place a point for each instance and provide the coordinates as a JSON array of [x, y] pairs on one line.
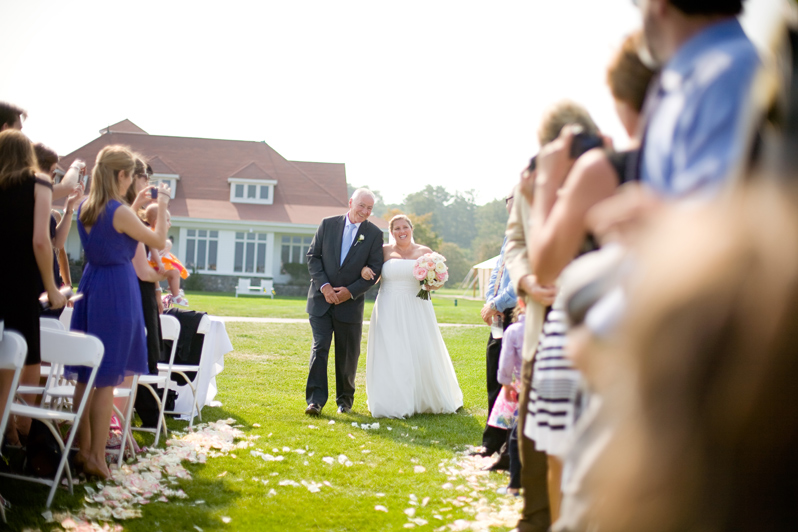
[[504, 298], [350, 230], [511, 356], [696, 124]]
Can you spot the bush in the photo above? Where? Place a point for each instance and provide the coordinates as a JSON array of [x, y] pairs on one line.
[[194, 282], [298, 272]]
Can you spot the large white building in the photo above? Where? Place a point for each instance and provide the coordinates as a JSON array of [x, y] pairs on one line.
[[239, 208]]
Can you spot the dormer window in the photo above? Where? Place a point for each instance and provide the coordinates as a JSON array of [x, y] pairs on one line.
[[259, 191], [169, 180]]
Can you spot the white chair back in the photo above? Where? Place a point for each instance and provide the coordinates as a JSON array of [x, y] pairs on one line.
[[71, 348], [66, 318], [51, 323], [13, 350]]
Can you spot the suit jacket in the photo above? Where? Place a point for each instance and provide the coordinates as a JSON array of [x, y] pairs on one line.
[[324, 265], [519, 239]]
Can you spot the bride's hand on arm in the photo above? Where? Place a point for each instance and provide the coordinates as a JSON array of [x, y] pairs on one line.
[[367, 273]]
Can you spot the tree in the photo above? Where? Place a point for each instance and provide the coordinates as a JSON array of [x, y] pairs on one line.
[[491, 224], [457, 262]]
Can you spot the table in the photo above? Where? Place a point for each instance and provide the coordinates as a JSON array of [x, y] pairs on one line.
[[214, 347]]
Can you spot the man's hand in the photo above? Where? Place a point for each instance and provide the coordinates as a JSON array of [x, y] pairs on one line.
[[544, 295], [330, 294], [487, 313], [342, 294]]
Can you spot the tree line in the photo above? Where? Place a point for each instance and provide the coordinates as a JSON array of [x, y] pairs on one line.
[[452, 224]]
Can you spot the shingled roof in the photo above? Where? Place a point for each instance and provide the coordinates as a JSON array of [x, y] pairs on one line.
[[305, 192]]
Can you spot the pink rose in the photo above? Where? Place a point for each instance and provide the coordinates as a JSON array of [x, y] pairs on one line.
[[441, 276], [420, 273]]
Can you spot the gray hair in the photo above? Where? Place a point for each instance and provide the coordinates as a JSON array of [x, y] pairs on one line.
[[363, 192]]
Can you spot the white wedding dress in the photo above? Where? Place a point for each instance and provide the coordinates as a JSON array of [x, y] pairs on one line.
[[408, 369]]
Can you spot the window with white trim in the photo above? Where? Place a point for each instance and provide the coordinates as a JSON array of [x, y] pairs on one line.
[[295, 249], [260, 191], [201, 249], [169, 180], [250, 253]]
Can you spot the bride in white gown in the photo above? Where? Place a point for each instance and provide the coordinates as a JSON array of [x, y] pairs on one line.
[[408, 369]]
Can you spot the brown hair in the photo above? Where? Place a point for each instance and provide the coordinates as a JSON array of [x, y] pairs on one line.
[[45, 156], [104, 185], [560, 115], [708, 434], [10, 113], [397, 218], [139, 169], [17, 158], [627, 76]]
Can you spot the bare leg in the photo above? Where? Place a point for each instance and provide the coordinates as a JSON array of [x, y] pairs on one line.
[[83, 436], [6, 376], [31, 376], [555, 486], [173, 278], [100, 409]]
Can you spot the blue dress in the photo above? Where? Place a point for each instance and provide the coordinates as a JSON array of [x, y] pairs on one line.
[[111, 305]]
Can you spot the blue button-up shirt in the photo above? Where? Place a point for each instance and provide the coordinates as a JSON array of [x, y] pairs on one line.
[[694, 135], [505, 297]]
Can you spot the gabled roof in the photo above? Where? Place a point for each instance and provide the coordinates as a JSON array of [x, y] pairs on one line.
[[160, 165], [251, 171], [125, 126], [305, 192]]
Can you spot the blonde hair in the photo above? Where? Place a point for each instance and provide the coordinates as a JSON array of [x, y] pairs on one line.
[[560, 115], [397, 218], [104, 181], [17, 158]]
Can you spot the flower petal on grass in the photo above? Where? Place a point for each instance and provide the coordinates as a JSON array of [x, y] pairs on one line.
[[419, 469], [381, 508], [226, 520]]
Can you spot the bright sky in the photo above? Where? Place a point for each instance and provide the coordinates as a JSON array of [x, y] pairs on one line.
[[405, 93]]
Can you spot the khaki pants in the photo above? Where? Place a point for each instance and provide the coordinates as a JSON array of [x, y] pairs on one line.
[[535, 517]]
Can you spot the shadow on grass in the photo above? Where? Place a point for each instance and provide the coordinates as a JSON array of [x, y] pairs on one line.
[[421, 430]]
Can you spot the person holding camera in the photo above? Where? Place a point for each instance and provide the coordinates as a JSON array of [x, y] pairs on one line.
[[111, 307], [536, 515]]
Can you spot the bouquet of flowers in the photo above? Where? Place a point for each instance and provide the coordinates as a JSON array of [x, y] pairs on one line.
[[431, 271]]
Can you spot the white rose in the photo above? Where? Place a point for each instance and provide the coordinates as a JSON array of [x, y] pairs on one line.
[[440, 267]]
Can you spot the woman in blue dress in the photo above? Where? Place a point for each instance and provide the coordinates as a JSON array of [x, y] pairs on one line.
[[111, 306]]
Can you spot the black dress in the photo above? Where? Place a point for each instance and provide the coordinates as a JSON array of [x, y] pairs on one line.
[[152, 322], [19, 304]]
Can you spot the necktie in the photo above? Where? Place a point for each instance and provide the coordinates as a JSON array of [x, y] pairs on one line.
[[346, 243]]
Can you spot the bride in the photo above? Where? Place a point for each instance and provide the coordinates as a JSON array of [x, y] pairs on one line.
[[408, 369]]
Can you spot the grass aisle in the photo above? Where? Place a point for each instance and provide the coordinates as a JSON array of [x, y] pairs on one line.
[[263, 384]]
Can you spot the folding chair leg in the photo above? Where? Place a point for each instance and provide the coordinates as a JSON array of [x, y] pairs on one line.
[[127, 436]]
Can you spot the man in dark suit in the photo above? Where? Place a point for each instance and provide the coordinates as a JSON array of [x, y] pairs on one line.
[[342, 246]]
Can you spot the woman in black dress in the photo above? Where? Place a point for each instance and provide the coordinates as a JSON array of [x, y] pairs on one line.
[[25, 201]]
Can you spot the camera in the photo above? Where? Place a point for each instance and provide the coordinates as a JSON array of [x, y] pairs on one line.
[[581, 143], [154, 193]]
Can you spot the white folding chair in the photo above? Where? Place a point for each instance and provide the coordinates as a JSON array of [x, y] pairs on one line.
[[13, 350], [63, 348], [51, 323], [66, 318], [170, 330], [204, 327]]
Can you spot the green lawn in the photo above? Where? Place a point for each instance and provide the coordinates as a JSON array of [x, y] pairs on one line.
[[263, 383], [449, 308]]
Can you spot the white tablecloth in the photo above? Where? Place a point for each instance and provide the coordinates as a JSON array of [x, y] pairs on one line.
[[214, 347]]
